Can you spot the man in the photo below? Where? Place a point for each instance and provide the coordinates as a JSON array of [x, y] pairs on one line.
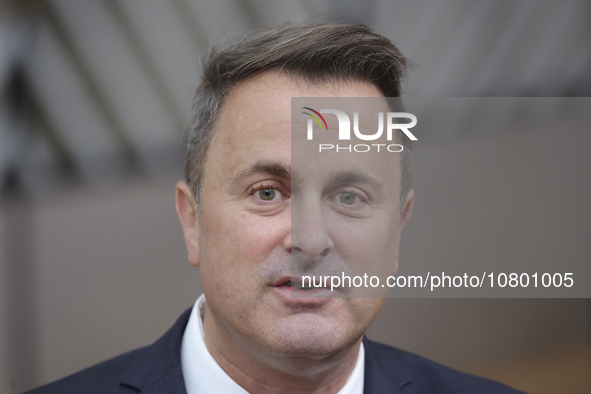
[[254, 210]]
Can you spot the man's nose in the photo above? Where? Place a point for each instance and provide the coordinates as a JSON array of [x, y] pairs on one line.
[[310, 235]]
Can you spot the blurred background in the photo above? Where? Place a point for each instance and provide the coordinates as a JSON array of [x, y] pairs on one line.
[[95, 100]]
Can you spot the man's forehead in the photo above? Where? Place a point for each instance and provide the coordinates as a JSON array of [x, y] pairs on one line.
[[255, 126], [262, 103]]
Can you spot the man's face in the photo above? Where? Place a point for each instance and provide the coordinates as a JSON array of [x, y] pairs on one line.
[[243, 240]]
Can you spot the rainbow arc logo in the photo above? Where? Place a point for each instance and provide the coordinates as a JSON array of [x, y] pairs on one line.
[[315, 118]]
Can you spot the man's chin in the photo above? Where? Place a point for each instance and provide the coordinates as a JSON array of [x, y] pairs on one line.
[[309, 335]]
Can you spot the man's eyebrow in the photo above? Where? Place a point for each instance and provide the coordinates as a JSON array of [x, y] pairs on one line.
[[354, 177], [271, 168]]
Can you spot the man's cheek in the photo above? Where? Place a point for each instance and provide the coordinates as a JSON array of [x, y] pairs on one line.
[[265, 230], [355, 239]]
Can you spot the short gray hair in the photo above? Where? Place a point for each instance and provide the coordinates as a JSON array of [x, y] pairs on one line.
[[310, 51]]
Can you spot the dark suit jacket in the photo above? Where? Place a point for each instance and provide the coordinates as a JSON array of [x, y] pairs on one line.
[[157, 369]]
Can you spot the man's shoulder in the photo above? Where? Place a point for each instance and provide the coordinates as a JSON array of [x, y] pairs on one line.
[[100, 378], [416, 374], [154, 365]]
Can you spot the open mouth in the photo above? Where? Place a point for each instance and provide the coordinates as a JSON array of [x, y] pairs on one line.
[[297, 285], [294, 283]]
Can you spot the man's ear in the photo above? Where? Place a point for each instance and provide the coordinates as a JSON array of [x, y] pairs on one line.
[[187, 213], [407, 209]]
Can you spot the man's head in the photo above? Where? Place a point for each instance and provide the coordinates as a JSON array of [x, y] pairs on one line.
[[239, 167], [307, 52]]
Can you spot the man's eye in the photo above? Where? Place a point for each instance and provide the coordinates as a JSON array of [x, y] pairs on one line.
[[348, 198], [268, 194]]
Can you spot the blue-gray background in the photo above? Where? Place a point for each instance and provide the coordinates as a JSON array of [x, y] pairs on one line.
[[94, 107]]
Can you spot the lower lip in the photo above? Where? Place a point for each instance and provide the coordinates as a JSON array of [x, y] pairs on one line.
[[314, 296]]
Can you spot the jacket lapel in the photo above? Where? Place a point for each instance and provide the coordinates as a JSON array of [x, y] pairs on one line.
[[157, 368], [382, 376], [390, 370]]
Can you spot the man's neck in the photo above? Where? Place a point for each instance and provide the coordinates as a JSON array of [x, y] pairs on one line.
[[262, 372]]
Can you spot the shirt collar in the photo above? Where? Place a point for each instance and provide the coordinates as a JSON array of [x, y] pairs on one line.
[[203, 375]]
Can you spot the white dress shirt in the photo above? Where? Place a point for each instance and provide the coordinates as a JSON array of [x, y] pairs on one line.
[[203, 375]]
